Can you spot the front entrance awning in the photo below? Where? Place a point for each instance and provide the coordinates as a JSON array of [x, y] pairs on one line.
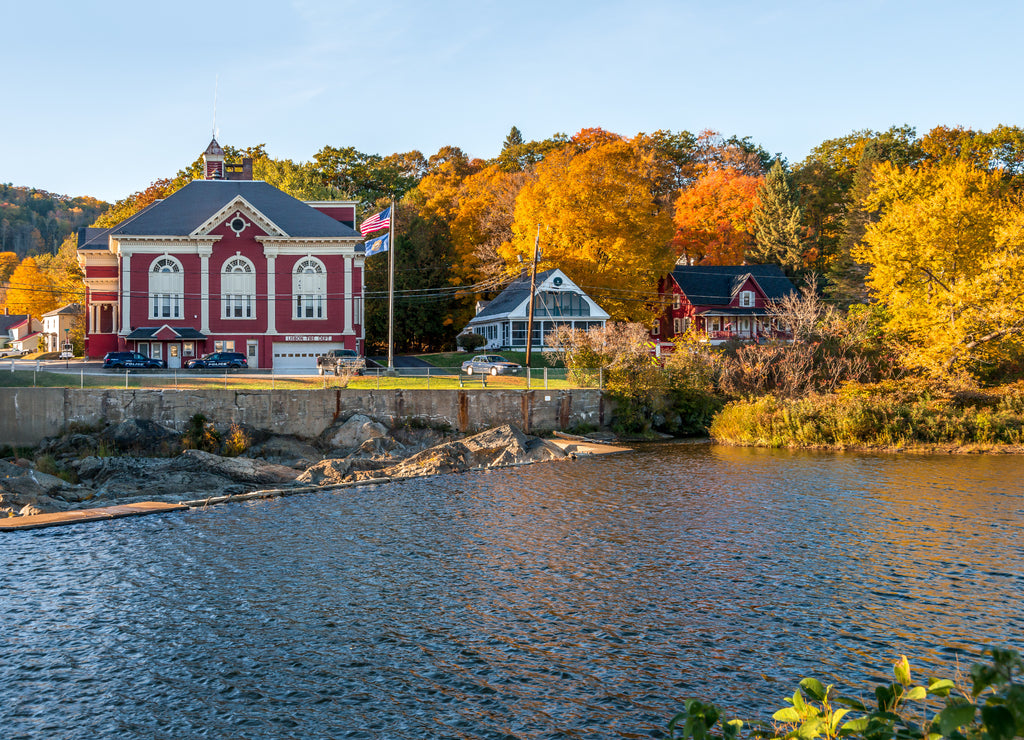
[[177, 332]]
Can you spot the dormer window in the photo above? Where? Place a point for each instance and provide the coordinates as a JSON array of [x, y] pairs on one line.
[[747, 298]]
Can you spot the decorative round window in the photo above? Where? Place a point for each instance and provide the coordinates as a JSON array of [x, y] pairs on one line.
[[557, 281], [238, 225]]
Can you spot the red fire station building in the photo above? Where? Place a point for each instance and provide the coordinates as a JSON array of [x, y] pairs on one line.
[[226, 264]]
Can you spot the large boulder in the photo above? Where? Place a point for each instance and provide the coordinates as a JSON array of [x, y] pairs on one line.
[[141, 435], [192, 473], [285, 451], [26, 491], [68, 446], [326, 472], [498, 447], [237, 469], [352, 433], [122, 478]]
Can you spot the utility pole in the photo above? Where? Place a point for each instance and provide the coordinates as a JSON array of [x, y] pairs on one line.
[[533, 292]]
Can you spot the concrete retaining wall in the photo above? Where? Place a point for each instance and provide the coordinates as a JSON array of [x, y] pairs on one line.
[[27, 415]]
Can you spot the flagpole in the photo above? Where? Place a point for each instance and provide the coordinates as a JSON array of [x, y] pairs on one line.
[[533, 293], [391, 290]]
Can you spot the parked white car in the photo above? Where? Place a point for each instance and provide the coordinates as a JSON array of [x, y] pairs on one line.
[[491, 364]]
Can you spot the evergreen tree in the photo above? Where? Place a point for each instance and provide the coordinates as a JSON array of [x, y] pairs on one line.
[[778, 234], [514, 139], [846, 276]]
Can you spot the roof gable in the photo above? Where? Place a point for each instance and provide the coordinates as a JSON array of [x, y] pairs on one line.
[[187, 211], [241, 207], [516, 296], [717, 285]]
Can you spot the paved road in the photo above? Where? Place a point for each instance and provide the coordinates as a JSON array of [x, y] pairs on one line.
[[401, 361]]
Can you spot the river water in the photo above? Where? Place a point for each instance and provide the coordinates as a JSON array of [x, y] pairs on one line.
[[582, 599]]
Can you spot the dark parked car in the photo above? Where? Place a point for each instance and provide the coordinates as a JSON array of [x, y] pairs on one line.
[[130, 359], [219, 359]]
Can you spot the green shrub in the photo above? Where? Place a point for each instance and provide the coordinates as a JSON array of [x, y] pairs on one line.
[[883, 414], [990, 707], [470, 342], [200, 435]]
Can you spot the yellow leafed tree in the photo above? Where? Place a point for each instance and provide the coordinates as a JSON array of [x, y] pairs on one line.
[[947, 260], [601, 223], [31, 291]]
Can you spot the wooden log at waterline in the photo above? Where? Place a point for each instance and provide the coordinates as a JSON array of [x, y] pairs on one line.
[[99, 514]]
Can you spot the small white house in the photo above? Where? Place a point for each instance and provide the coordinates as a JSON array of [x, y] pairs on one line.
[[58, 324], [558, 301]]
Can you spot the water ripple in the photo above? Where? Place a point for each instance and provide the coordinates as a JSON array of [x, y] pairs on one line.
[[568, 600]]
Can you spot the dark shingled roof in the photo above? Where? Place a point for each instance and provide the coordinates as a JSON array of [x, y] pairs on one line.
[[512, 296], [715, 285], [185, 210], [70, 309], [92, 237], [9, 320]]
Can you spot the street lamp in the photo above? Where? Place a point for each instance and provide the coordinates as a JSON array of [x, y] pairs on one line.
[[67, 341]]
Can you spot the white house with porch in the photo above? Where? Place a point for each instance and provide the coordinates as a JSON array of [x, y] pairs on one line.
[[558, 301], [59, 324]]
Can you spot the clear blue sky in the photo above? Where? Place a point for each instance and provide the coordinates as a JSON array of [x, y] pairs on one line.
[[103, 98]]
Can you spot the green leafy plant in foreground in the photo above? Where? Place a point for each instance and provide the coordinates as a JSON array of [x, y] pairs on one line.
[[991, 707]]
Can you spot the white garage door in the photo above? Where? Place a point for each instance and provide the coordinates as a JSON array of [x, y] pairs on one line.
[[299, 356]]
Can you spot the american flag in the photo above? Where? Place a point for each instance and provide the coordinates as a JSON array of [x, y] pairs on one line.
[[375, 223]]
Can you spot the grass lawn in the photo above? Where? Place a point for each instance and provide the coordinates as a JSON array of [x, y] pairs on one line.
[[231, 381]]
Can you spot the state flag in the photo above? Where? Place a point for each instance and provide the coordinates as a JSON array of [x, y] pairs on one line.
[[377, 245]]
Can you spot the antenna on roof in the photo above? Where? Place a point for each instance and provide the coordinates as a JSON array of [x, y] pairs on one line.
[[216, 82]]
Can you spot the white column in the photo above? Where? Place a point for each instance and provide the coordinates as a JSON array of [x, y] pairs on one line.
[[271, 254], [348, 297], [204, 289], [360, 264], [126, 293]]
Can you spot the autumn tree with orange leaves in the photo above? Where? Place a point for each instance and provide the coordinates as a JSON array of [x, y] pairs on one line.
[[600, 223], [714, 218], [483, 222]]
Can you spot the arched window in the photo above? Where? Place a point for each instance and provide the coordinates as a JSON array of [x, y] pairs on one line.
[[309, 286], [166, 289], [238, 289]]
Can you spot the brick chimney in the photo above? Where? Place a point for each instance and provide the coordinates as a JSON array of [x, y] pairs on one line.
[[240, 171]]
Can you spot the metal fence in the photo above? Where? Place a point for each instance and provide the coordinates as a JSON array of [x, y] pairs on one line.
[[54, 375]]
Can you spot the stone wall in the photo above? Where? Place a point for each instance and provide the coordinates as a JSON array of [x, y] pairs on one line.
[[29, 414]]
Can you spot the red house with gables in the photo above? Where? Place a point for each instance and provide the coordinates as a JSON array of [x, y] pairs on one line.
[[722, 302], [226, 263]]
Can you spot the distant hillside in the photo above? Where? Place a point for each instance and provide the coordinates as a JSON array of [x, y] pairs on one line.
[[36, 222]]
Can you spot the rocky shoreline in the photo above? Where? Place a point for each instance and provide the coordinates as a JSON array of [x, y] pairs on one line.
[[139, 460]]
